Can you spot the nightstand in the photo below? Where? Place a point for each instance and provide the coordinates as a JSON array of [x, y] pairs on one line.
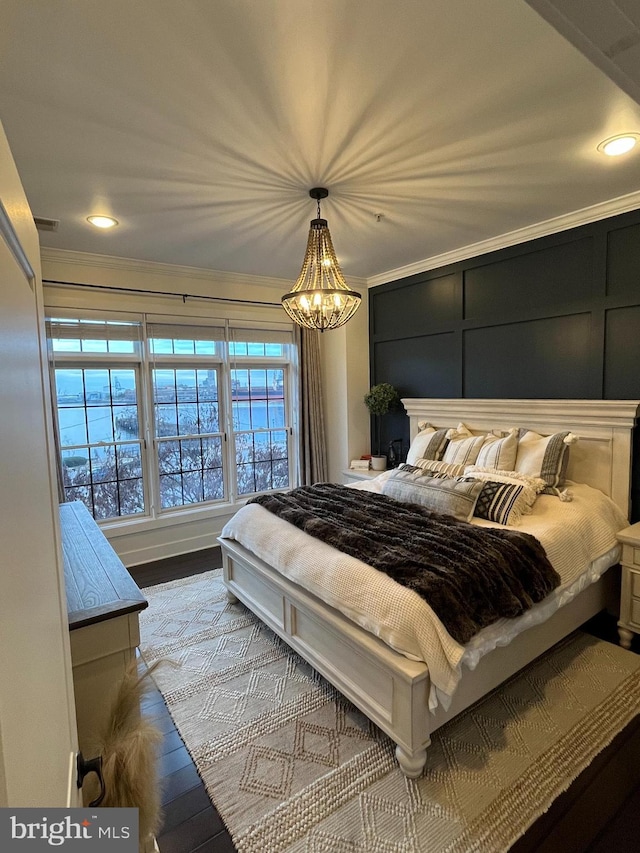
[[629, 623], [351, 475]]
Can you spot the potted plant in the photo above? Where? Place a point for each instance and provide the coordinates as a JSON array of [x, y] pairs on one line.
[[380, 400]]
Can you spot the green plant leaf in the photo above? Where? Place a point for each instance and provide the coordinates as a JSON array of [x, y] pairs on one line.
[[381, 398]]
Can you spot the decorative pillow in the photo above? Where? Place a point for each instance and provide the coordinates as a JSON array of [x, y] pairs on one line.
[[463, 446], [454, 497], [506, 495], [502, 502], [499, 452], [440, 469], [545, 456], [427, 444], [480, 473]]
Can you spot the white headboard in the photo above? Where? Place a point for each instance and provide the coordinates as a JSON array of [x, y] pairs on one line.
[[602, 456]]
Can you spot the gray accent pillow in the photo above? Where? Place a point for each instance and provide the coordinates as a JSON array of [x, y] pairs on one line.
[[428, 445], [447, 495], [545, 456]]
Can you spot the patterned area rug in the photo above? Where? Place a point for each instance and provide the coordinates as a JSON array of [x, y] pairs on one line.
[[292, 766]]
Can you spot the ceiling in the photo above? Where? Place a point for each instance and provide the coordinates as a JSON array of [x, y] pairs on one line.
[[201, 124]]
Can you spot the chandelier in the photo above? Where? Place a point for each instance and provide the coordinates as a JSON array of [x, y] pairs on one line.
[[320, 298]]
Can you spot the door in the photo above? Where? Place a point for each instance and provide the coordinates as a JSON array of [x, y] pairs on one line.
[[38, 739]]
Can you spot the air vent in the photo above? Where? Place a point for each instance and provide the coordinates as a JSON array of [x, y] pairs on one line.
[[43, 224]]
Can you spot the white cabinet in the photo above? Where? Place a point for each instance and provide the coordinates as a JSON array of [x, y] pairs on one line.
[[103, 603], [629, 623]]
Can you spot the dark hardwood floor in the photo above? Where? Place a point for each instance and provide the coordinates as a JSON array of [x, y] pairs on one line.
[[190, 820], [599, 813]]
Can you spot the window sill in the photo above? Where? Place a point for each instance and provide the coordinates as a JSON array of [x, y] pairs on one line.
[[171, 519]]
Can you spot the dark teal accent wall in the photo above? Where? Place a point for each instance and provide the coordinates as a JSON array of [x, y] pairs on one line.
[[556, 317]]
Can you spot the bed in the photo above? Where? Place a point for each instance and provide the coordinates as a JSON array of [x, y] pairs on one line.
[[396, 689]]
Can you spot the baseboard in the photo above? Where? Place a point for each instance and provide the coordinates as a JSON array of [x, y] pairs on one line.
[[152, 552]]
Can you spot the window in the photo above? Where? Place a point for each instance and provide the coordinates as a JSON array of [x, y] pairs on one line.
[[188, 436], [260, 411], [260, 429], [188, 412], [97, 392], [157, 417]]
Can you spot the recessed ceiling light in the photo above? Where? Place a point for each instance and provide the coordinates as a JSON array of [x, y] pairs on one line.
[[620, 144], [102, 221]]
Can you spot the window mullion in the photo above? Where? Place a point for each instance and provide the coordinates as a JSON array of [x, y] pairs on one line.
[[228, 447], [150, 465]]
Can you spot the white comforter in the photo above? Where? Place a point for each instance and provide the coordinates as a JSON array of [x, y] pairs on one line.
[[578, 536]]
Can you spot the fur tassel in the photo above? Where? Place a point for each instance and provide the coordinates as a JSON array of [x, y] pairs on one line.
[[565, 495], [460, 431], [129, 756]]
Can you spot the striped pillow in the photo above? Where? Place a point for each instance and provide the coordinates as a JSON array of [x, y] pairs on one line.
[[463, 447], [427, 444], [545, 456], [440, 469], [506, 495], [499, 452], [504, 503], [456, 497]]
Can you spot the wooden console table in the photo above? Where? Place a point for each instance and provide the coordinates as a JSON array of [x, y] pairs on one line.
[[103, 603]]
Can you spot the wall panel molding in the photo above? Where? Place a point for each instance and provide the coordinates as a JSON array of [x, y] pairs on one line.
[[604, 210], [556, 317]]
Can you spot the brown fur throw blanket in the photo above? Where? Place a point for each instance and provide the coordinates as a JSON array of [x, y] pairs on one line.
[[469, 575]]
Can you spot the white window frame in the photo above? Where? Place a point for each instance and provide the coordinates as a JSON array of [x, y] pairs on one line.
[[173, 362], [144, 361], [120, 361], [250, 363]]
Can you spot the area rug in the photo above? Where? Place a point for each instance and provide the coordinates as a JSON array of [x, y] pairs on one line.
[[293, 766]]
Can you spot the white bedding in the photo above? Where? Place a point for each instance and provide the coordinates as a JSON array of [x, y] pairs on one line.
[[578, 536]]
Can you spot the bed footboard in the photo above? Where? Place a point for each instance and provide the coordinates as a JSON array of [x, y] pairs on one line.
[[388, 688]]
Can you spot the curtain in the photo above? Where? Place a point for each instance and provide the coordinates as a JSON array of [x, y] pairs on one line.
[[313, 446], [56, 431]]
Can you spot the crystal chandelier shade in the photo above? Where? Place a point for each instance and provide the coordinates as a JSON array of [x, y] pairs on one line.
[[320, 298]]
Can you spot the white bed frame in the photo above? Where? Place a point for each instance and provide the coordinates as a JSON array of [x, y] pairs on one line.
[[389, 688]]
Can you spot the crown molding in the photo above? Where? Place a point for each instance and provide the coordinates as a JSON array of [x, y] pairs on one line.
[[603, 210], [132, 265], [66, 256]]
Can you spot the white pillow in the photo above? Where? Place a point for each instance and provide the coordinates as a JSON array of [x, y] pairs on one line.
[[427, 444], [480, 473], [545, 456], [463, 446], [499, 452]]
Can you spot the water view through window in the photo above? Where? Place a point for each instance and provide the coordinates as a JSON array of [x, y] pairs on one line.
[[204, 430], [100, 442]]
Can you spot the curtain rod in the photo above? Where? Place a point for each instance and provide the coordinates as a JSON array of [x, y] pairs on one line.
[[183, 296]]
